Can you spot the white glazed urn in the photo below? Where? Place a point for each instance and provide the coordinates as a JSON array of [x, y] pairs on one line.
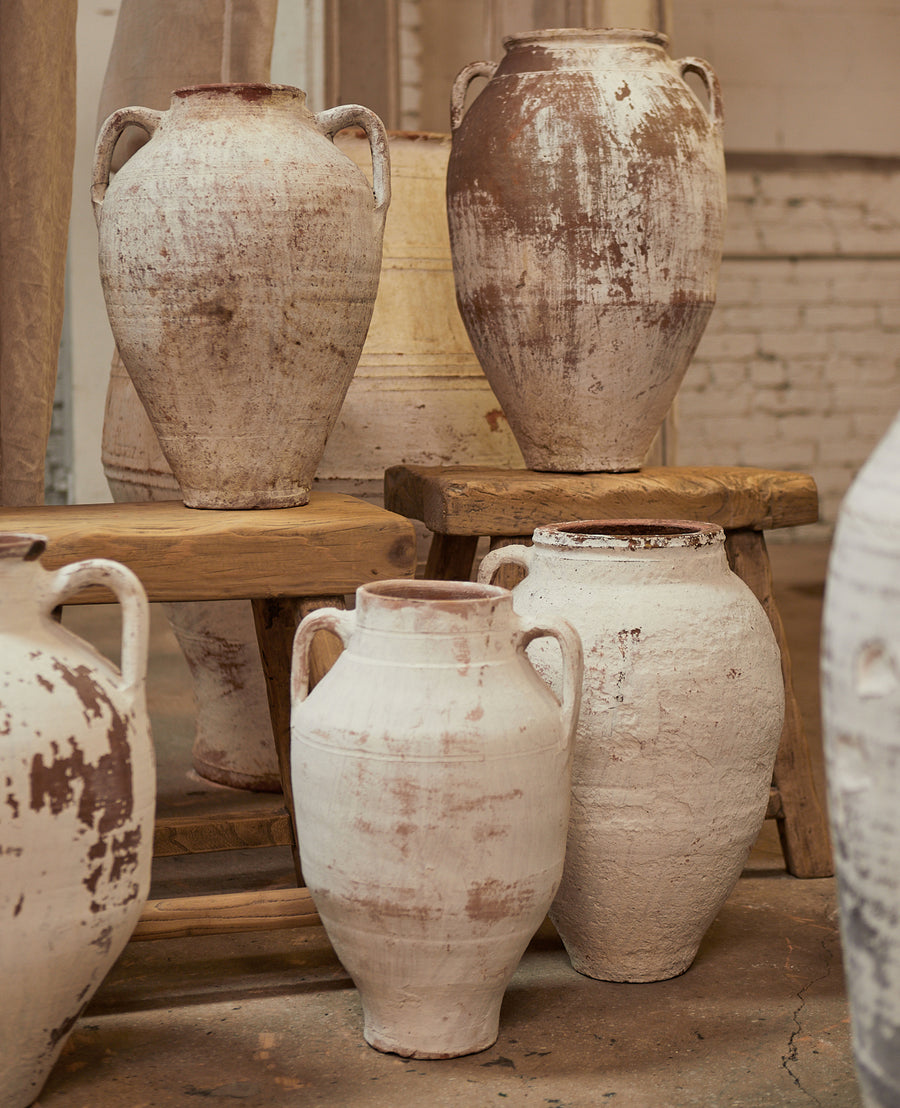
[[861, 726], [76, 823], [431, 771], [586, 205], [681, 716], [240, 253]]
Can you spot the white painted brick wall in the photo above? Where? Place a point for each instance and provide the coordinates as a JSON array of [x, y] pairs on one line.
[[800, 364]]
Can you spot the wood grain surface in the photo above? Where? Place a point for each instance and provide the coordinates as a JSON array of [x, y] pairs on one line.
[[326, 547], [476, 500]]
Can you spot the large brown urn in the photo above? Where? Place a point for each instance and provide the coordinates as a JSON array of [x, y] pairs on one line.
[[586, 202]]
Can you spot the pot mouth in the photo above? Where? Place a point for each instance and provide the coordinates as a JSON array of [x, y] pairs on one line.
[[243, 90], [630, 534], [446, 595], [554, 35], [21, 545]]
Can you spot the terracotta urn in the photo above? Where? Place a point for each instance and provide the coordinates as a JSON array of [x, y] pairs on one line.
[[240, 252], [430, 770], [861, 726], [586, 205], [681, 716], [76, 823]]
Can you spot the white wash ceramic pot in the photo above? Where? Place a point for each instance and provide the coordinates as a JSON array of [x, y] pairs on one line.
[[681, 716], [233, 732], [76, 823], [430, 770], [861, 718], [586, 204], [240, 252]]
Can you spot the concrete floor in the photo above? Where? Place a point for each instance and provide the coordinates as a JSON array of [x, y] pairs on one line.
[[271, 1019]]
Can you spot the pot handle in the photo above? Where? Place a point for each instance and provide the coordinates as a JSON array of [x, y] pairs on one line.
[[145, 118], [707, 75], [340, 623], [515, 555], [72, 579], [461, 86], [333, 120], [572, 666]]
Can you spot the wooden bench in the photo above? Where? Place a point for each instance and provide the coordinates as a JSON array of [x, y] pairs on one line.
[[287, 562], [460, 504]]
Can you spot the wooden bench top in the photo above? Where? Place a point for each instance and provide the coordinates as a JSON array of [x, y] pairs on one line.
[[478, 500], [326, 547]]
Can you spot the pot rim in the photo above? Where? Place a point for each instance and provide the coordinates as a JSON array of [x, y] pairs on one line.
[[629, 534], [255, 90], [409, 592], [596, 34], [22, 545]]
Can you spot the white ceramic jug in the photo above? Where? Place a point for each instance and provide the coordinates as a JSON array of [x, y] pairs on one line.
[[76, 824], [430, 771], [680, 721]]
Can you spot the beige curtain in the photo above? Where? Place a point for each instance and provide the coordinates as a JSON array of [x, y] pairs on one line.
[[37, 150], [161, 45]]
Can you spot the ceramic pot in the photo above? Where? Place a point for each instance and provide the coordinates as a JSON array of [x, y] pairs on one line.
[[586, 203], [239, 256], [430, 770], [681, 717], [76, 825], [861, 719], [419, 395], [233, 732]]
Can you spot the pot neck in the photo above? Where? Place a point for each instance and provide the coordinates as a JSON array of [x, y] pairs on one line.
[[674, 544], [237, 98], [435, 622], [567, 45]]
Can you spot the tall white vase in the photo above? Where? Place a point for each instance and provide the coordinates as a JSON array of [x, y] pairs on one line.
[[76, 822], [861, 717], [430, 772], [681, 715]]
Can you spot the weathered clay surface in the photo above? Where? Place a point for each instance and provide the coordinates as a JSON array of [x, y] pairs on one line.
[[233, 742], [76, 820], [586, 203], [239, 254], [430, 770], [680, 721], [861, 719]]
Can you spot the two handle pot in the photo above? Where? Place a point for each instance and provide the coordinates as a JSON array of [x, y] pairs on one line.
[[240, 253], [431, 771], [680, 721], [76, 824], [586, 203]]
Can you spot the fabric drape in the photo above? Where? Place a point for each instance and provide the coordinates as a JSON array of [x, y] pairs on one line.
[[37, 152]]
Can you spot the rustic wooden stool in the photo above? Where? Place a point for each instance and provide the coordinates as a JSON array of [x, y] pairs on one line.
[[459, 504], [287, 562]]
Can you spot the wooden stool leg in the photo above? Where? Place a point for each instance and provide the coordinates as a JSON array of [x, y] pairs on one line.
[[450, 557], [802, 825], [507, 577], [276, 622]]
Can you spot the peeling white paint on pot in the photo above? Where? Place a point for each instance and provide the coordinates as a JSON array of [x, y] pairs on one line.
[[431, 770], [240, 252], [419, 395], [233, 742], [861, 718], [76, 823], [681, 717], [586, 203]]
